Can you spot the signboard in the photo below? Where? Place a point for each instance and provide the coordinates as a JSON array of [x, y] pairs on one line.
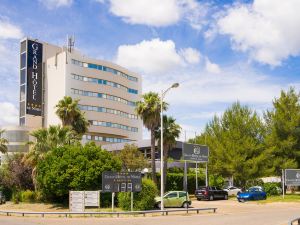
[[92, 198], [193, 152], [34, 78], [292, 177], [76, 201], [121, 181]]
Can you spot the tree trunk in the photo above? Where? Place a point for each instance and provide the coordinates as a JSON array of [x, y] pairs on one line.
[[153, 156], [166, 153]]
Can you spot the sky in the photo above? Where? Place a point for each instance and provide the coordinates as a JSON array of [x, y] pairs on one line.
[[219, 51]]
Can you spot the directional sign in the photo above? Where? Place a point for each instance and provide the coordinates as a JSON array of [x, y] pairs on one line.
[[196, 153], [292, 177], [92, 198], [76, 201], [121, 181]]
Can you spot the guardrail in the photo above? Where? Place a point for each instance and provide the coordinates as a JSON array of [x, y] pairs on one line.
[[66, 214], [292, 222]]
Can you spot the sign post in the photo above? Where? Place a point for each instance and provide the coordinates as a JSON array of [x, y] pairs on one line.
[[282, 183], [131, 198], [112, 201]]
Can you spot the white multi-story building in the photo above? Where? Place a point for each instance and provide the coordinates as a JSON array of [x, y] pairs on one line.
[[107, 92]]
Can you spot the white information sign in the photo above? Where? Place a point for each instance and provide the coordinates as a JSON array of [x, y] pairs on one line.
[[92, 198], [76, 201]]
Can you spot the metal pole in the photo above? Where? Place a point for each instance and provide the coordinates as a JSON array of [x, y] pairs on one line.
[[131, 201], [206, 175], [196, 175], [282, 181], [161, 153], [112, 201], [185, 168]]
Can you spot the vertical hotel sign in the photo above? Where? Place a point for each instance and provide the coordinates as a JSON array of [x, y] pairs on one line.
[[34, 78]]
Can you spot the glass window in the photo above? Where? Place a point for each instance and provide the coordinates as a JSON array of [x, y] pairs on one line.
[[23, 60], [22, 121], [22, 92], [23, 46], [23, 76], [172, 195], [92, 66], [22, 109]]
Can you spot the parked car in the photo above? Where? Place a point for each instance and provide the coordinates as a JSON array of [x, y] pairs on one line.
[[232, 191], [210, 193], [2, 198], [253, 193], [174, 199]]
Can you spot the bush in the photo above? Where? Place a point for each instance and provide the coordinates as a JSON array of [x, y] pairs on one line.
[[28, 196], [73, 168], [143, 200], [16, 197], [272, 188]]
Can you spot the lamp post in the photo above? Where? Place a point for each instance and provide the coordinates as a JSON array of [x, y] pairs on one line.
[[163, 93]]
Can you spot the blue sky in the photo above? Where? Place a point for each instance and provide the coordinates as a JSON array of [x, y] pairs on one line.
[[220, 51]]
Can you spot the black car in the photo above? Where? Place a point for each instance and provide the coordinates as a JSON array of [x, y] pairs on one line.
[[2, 198], [210, 193]]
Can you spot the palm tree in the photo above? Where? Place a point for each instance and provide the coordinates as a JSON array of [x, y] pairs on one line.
[[45, 140], [3, 143], [68, 111], [149, 111], [171, 132]]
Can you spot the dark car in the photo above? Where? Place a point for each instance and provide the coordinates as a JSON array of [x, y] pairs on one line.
[[210, 193], [2, 198], [253, 193]]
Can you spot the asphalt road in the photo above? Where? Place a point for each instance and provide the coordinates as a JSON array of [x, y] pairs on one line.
[[228, 213]]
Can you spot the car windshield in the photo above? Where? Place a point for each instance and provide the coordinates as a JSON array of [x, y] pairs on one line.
[[253, 190]]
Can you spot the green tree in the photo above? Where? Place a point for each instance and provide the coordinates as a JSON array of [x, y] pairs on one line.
[[235, 141], [132, 159], [149, 111], [74, 168], [46, 140], [283, 132], [68, 111], [170, 133], [3, 143]]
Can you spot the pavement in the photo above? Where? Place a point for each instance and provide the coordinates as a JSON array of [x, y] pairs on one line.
[[228, 213]]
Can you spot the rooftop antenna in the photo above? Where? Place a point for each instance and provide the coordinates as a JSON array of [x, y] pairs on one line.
[[71, 43]]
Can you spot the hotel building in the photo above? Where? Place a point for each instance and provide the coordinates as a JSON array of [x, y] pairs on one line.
[[107, 92]]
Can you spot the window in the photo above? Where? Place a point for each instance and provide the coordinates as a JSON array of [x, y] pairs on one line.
[[23, 46], [22, 93], [22, 121], [22, 109], [172, 195], [182, 194], [23, 76], [23, 60]]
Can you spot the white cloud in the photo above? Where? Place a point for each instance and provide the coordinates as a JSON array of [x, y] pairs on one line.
[[267, 29], [9, 30], [159, 13], [191, 55], [211, 67], [8, 114], [52, 4], [154, 56]]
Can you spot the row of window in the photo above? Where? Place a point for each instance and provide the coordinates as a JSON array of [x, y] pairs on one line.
[[104, 68], [114, 125], [107, 110], [104, 82], [102, 95], [106, 139]]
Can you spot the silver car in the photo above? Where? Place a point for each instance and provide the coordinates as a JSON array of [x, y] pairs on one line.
[[2, 198], [233, 191]]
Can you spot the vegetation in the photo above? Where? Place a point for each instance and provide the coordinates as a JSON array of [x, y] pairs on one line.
[[68, 111], [132, 159], [3, 143], [74, 167], [149, 111], [143, 200], [171, 132]]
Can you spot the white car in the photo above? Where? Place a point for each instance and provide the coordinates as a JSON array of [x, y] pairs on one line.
[[232, 191]]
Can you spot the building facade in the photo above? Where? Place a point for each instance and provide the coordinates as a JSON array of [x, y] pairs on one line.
[[107, 92]]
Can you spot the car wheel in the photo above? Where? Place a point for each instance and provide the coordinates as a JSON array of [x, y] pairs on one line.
[[158, 205], [225, 197], [211, 198], [199, 199], [185, 205]]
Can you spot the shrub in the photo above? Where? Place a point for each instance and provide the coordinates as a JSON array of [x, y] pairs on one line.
[[28, 196], [143, 200], [272, 188], [73, 168], [16, 197]]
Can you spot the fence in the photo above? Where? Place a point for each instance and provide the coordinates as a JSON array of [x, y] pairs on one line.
[[66, 214]]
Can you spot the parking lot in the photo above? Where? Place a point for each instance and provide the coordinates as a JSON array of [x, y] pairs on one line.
[[229, 212]]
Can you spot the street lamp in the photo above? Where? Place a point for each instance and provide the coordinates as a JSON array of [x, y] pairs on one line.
[[163, 93]]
